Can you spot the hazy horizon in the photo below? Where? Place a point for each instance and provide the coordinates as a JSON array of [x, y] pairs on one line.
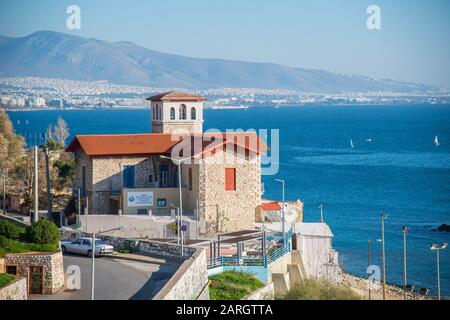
[[411, 45]]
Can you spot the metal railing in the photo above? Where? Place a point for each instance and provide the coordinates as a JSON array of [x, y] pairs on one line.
[[265, 261]]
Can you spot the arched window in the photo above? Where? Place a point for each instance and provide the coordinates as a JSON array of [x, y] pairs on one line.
[[183, 112], [193, 114], [172, 113]]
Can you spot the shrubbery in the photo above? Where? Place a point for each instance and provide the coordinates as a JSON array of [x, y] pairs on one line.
[[4, 241], [231, 285], [42, 236], [319, 290], [43, 232], [10, 230]]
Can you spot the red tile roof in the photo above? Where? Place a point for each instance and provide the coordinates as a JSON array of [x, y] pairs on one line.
[[159, 143], [175, 96], [270, 206]]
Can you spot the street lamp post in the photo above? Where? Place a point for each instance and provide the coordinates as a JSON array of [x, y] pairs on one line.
[[179, 162], [282, 209], [405, 230], [93, 258], [383, 256], [437, 247]]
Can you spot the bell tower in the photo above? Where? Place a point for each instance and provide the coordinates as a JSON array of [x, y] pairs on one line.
[[176, 112]]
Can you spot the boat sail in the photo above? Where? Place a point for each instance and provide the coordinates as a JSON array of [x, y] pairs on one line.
[[436, 141], [351, 144]]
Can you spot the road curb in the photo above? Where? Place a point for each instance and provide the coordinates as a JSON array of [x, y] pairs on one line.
[[135, 259]]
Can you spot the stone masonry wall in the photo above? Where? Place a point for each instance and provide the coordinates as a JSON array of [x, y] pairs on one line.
[[16, 290], [2, 265], [190, 282], [227, 211]]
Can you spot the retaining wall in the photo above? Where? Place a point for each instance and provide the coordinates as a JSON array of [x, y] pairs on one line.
[[16, 290]]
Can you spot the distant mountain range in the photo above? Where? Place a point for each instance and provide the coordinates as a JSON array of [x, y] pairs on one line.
[[58, 55]]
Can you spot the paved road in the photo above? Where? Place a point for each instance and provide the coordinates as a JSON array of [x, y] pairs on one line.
[[115, 279]]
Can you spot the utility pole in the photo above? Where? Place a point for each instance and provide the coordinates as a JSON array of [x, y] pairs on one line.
[[4, 191], [36, 186], [405, 230], [383, 256], [282, 210], [368, 265], [79, 207], [49, 186]]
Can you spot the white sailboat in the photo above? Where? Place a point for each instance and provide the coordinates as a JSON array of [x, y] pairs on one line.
[[351, 144], [436, 141]]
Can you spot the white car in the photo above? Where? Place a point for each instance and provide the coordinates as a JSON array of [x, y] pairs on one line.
[[84, 246]]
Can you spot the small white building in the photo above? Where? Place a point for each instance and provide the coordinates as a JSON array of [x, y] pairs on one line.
[[314, 241]]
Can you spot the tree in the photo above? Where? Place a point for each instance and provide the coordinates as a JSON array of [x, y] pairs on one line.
[[57, 135], [61, 131]]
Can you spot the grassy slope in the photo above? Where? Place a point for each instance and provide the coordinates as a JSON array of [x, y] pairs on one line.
[[5, 279], [232, 285]]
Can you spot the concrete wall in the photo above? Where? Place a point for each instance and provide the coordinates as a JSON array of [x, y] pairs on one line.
[[280, 265], [16, 290], [138, 226]]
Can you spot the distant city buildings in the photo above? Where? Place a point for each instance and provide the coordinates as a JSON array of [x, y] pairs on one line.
[[33, 92]]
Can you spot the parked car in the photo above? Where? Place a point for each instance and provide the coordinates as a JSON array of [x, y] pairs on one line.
[[84, 246]]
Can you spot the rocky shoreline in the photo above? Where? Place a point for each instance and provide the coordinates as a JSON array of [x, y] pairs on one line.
[[359, 285]]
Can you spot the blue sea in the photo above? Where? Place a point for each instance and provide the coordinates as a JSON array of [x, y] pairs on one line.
[[400, 171]]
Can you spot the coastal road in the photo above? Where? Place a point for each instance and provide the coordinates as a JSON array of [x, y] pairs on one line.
[[115, 279]]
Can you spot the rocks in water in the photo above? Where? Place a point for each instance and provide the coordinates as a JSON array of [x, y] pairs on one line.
[[443, 228]]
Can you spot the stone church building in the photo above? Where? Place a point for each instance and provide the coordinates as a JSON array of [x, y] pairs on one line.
[[138, 174]]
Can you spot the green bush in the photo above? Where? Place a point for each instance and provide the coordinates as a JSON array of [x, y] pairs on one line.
[[319, 290], [4, 242], [10, 230], [231, 285], [5, 279], [22, 247], [44, 232]]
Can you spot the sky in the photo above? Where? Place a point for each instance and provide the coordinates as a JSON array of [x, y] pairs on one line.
[[412, 44]]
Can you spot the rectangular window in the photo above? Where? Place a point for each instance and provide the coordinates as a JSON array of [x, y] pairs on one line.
[[161, 203], [150, 178], [128, 176], [164, 172], [230, 179], [11, 270]]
